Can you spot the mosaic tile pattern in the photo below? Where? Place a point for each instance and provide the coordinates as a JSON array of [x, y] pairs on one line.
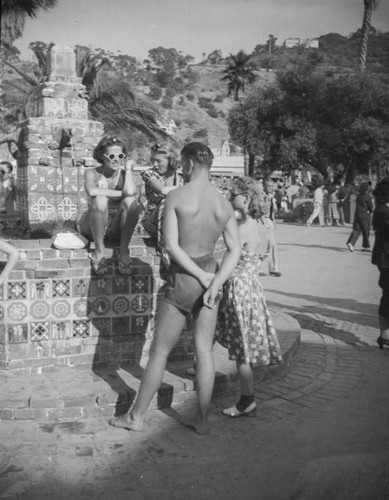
[[80, 287], [18, 333], [40, 309], [54, 309], [61, 308], [101, 327], [61, 288], [61, 330], [81, 308], [101, 306], [140, 304], [17, 290], [17, 311], [121, 305], [80, 328], [40, 331]]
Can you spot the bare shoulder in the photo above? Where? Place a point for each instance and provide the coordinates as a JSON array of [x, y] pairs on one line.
[[90, 173]]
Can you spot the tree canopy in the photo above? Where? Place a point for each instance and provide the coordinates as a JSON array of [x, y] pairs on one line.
[[311, 118]]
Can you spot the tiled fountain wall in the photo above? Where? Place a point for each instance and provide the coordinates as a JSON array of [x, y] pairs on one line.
[[54, 146], [55, 311]]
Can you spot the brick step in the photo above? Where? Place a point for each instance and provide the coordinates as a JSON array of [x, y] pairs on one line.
[[79, 392]]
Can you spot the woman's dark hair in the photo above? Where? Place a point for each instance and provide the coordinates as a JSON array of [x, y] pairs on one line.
[[198, 152], [106, 142], [168, 150]]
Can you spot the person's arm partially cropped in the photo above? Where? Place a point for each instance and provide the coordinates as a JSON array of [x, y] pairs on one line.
[[129, 188], [160, 188], [229, 262], [170, 232]]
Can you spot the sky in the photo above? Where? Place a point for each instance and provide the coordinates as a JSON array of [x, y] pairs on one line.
[[193, 26]]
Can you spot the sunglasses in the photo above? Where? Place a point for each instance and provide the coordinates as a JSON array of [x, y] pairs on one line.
[[2, 172], [234, 195], [112, 156]]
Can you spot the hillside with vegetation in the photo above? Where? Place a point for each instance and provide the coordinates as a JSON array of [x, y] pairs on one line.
[[141, 97]]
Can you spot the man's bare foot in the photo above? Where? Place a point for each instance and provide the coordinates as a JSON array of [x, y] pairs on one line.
[[126, 421], [200, 428]]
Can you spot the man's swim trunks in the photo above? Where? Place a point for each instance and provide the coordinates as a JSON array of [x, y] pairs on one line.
[[184, 291]]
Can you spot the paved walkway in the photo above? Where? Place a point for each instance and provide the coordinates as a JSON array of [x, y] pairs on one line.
[[321, 431]]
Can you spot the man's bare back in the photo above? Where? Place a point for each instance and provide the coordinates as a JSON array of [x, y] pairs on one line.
[[202, 214]]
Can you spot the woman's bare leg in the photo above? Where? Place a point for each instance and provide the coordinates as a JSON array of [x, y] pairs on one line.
[[98, 219]]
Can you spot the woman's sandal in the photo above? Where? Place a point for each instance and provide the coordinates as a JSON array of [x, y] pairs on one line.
[[125, 267], [99, 266], [233, 412]]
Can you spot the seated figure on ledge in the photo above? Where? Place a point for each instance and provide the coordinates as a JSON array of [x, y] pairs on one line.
[[159, 180], [113, 209], [7, 188]]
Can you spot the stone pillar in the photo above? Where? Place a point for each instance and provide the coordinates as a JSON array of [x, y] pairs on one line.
[[55, 145]]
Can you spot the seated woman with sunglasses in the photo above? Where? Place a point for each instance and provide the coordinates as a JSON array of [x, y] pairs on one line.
[[159, 180], [113, 209]]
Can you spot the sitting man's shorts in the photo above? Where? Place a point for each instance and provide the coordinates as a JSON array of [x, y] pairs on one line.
[[184, 291]]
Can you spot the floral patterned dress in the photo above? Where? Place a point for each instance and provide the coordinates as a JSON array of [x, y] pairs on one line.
[[244, 324]]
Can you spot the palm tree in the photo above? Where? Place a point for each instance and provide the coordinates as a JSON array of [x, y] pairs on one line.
[[14, 13], [239, 72], [369, 6]]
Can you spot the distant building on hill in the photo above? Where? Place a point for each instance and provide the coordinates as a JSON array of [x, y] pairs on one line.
[[308, 43], [169, 126]]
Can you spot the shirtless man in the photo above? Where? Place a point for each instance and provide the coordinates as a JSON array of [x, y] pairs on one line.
[[196, 215]]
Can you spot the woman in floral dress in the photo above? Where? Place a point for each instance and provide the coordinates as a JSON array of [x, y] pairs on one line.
[[245, 326]]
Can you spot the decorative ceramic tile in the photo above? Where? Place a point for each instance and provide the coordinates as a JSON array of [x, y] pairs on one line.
[[101, 306], [39, 309], [61, 288], [2, 334], [120, 325], [140, 303], [140, 284], [101, 327], [41, 208], [17, 311], [17, 290], [60, 308], [80, 287], [61, 330], [18, 333], [121, 284], [101, 286], [67, 180], [121, 305], [139, 324], [40, 331], [67, 208], [40, 289], [42, 179], [81, 328], [80, 308]]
